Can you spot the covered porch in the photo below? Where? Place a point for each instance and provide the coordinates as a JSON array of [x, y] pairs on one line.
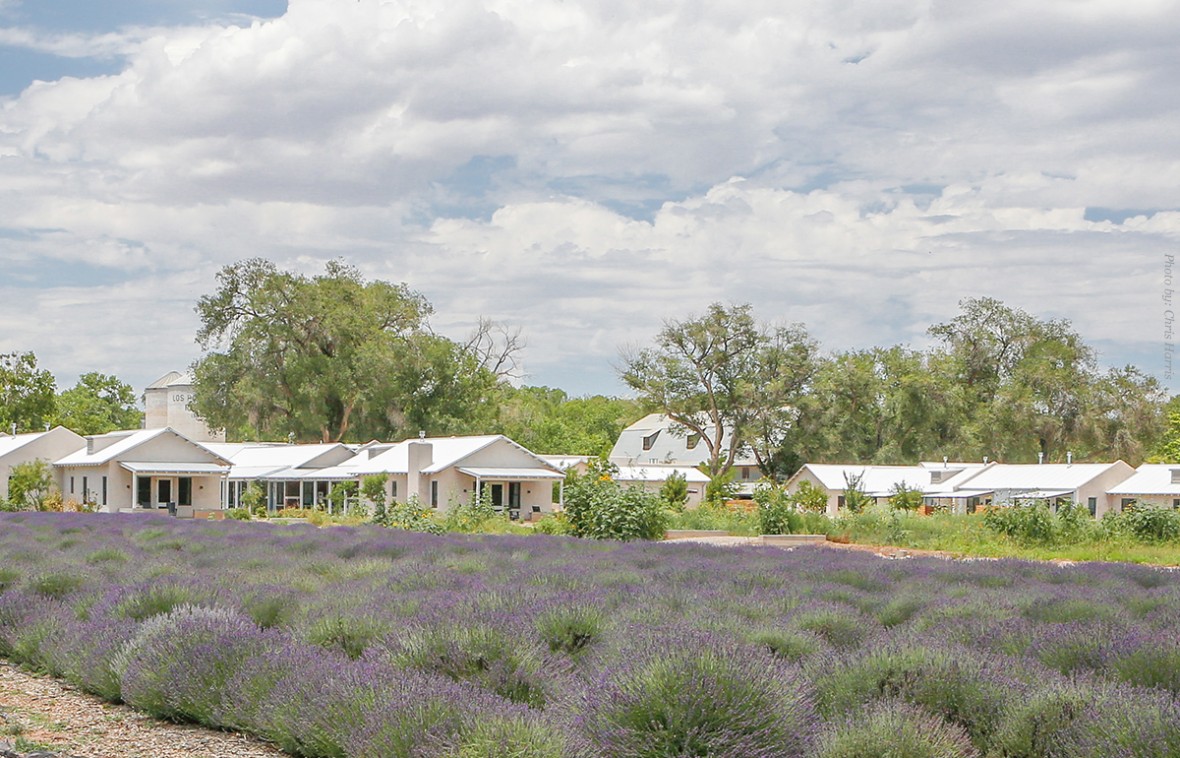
[[181, 489], [523, 492]]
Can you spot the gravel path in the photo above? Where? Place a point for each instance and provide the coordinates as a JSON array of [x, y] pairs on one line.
[[56, 717]]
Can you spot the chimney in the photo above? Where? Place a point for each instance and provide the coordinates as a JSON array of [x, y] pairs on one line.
[[944, 459], [985, 460], [419, 456], [1040, 458], [90, 446], [1069, 458]]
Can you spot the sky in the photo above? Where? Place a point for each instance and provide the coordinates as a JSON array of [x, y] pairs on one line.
[[587, 169]]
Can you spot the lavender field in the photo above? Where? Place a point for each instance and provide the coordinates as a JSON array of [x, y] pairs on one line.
[[372, 642]]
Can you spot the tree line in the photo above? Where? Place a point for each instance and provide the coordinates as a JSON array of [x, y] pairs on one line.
[[997, 383], [335, 357], [30, 401]]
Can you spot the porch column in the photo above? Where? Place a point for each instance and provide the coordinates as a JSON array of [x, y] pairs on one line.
[[134, 489]]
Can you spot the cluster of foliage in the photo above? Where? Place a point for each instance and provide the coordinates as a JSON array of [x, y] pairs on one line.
[[334, 357], [598, 507], [362, 642], [1035, 523], [548, 421], [29, 400], [998, 382]]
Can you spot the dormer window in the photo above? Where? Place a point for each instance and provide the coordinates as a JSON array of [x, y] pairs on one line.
[[693, 441], [1176, 476], [650, 440]]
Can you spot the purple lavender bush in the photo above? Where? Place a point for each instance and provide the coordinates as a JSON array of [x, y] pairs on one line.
[[359, 641]]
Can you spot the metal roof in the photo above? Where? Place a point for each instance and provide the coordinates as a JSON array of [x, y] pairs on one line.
[[1150, 479], [491, 472], [179, 467], [660, 474], [666, 442], [120, 443], [1036, 476]]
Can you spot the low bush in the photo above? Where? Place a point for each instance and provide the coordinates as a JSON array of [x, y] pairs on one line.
[[895, 729], [956, 684], [178, 663], [691, 700], [1145, 523]]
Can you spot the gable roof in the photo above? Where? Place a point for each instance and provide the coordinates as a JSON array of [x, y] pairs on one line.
[[654, 473], [1150, 479], [446, 452], [657, 439], [257, 460], [10, 443], [876, 481], [118, 444], [1047, 477]]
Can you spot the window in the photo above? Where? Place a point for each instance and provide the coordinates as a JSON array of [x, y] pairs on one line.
[[184, 491], [693, 441], [1128, 503], [1092, 504], [1176, 503], [85, 490], [104, 490], [840, 501], [745, 472], [433, 494], [650, 440], [71, 485], [514, 495], [143, 494], [393, 489]]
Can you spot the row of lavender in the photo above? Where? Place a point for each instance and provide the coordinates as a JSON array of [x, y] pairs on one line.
[[371, 642]]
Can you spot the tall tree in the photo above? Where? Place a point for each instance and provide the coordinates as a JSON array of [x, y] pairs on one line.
[[97, 404], [27, 393], [329, 357], [726, 378]]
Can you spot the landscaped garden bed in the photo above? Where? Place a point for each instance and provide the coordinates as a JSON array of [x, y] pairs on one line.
[[364, 641]]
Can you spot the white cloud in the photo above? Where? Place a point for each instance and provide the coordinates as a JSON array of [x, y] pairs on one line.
[[340, 129]]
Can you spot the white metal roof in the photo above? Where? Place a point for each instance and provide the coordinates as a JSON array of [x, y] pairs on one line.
[[667, 443], [123, 442], [269, 460], [171, 379], [876, 481], [156, 467], [1034, 476], [446, 452], [1150, 479], [11, 443], [660, 474], [492, 472]]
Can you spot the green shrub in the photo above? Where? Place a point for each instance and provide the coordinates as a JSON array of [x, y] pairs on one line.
[[809, 498], [470, 515], [902, 497], [496, 736], [598, 507], [674, 491], [788, 644], [571, 629], [1027, 523], [238, 514], [951, 683], [554, 523], [895, 729], [775, 507], [1144, 523], [56, 585]]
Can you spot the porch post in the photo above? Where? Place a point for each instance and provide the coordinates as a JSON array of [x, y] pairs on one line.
[[134, 489]]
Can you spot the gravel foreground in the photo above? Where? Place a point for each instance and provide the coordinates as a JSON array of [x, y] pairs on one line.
[[66, 723]]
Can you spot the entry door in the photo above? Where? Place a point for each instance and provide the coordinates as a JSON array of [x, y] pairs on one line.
[[163, 491]]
